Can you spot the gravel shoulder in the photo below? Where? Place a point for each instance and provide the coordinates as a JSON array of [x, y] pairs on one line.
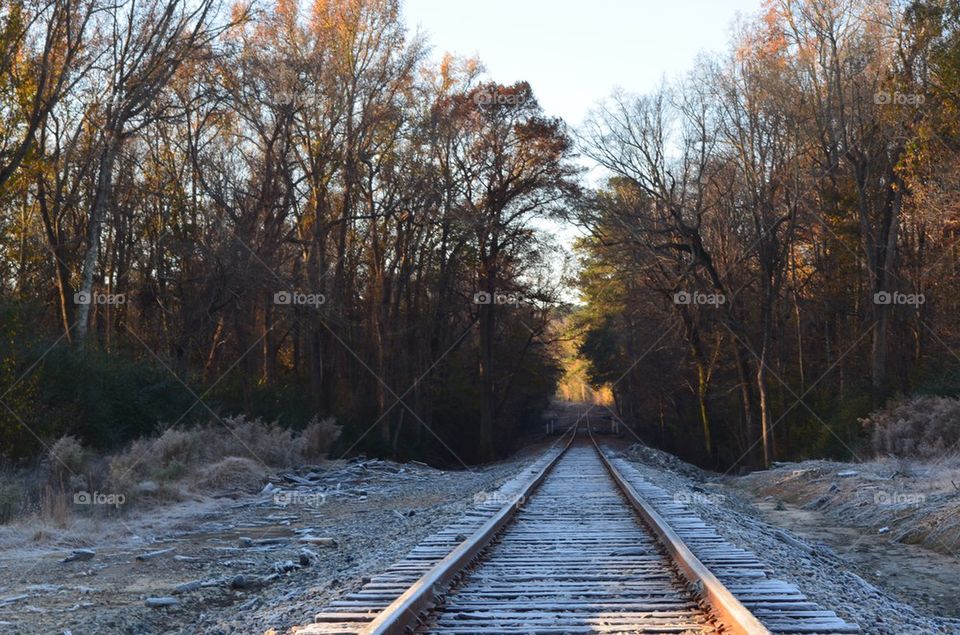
[[236, 563], [825, 572]]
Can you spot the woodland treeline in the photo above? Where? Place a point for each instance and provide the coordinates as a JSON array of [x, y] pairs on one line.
[[281, 210], [293, 211], [776, 253]]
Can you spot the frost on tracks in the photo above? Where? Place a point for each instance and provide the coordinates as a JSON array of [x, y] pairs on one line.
[[750, 512]]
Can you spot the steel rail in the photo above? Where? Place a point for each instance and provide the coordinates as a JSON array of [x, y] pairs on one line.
[[403, 612], [732, 613], [406, 609]]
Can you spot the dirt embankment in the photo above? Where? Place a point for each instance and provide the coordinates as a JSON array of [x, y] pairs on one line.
[[911, 502], [897, 521]]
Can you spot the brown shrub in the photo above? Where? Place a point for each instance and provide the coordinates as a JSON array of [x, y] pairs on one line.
[[922, 427], [316, 439], [233, 473], [178, 446], [67, 458], [180, 454], [268, 443]]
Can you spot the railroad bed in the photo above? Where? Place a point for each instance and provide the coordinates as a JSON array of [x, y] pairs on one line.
[[577, 543], [575, 560]]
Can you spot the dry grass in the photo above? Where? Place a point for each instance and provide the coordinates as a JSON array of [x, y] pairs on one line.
[[178, 454], [235, 454], [925, 427], [55, 507], [233, 473]]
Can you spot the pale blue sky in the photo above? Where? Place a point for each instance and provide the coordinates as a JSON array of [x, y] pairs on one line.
[[574, 52]]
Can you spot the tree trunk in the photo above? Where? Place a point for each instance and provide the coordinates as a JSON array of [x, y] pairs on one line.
[[766, 434], [487, 324], [97, 212], [61, 271]]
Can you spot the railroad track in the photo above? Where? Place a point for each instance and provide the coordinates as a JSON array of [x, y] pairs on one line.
[[572, 546]]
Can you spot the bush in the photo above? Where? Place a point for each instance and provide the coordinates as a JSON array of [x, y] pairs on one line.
[[178, 454], [67, 458], [316, 439], [108, 399], [233, 473], [921, 427]]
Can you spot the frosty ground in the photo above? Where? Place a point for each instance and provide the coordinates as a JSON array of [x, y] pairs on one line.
[[248, 562]]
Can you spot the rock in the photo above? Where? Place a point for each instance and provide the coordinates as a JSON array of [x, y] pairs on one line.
[[80, 555], [320, 542], [293, 478], [156, 603], [187, 587], [249, 604], [794, 542], [817, 503], [12, 599], [241, 582], [285, 566], [245, 542], [307, 557], [150, 555]]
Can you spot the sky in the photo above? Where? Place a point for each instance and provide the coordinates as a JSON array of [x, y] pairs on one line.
[[575, 52]]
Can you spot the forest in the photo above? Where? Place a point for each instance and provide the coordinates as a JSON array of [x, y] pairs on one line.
[[298, 212], [775, 254]]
